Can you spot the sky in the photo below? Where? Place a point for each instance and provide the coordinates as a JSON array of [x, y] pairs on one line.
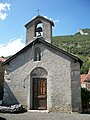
[[68, 16]]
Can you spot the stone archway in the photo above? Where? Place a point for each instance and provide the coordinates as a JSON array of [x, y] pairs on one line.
[[39, 88]]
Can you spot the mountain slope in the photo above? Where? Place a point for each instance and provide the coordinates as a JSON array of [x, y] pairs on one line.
[[77, 44]]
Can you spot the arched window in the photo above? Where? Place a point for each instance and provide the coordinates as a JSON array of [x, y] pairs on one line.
[[39, 29], [37, 54]]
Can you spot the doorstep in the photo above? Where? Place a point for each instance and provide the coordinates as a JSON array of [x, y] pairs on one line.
[[42, 111]]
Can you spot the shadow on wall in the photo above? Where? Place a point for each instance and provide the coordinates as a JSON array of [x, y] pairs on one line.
[[2, 68], [9, 97], [1, 118], [1, 91]]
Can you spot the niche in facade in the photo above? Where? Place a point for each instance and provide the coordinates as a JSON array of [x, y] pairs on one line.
[[37, 54]]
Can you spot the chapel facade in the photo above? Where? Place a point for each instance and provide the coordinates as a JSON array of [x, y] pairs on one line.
[[42, 76]]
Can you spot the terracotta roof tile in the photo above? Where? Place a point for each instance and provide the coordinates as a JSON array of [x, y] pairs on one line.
[[2, 59], [85, 77], [82, 78]]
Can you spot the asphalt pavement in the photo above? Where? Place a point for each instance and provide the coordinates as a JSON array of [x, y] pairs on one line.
[[44, 116]]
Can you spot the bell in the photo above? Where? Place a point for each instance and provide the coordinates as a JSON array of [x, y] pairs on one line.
[[39, 30]]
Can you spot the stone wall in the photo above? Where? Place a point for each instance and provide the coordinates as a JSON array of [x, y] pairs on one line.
[[60, 93], [30, 34], [76, 87], [1, 81], [47, 31], [30, 31]]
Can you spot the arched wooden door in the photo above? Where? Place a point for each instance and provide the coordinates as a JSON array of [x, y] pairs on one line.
[[39, 89]]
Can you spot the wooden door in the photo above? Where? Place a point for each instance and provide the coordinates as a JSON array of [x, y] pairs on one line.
[[39, 93]]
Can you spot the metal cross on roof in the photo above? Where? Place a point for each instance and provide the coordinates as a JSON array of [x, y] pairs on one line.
[[38, 11]]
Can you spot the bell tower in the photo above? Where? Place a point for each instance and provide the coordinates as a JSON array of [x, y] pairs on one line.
[[39, 27]]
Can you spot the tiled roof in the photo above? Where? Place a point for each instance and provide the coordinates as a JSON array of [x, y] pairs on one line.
[[85, 77], [2, 59], [82, 78]]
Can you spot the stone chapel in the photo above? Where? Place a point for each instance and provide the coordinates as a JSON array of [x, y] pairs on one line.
[[42, 76]]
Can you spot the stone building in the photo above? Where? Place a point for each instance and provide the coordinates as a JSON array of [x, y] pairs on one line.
[[2, 68], [85, 80], [42, 76]]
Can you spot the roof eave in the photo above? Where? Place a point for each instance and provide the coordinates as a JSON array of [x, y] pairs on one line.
[[52, 23]]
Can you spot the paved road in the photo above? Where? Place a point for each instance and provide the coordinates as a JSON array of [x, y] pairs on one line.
[[44, 116]]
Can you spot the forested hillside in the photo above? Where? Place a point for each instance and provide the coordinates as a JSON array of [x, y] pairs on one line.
[[77, 44]]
